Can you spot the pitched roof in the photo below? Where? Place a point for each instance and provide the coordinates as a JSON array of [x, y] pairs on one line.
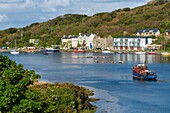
[[148, 30], [135, 37], [84, 34], [69, 37], [64, 37]]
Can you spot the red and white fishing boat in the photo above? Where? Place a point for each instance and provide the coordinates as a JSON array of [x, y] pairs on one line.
[[79, 50], [141, 72], [152, 53]]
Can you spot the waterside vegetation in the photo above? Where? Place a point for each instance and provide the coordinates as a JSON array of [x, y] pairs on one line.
[[19, 92]]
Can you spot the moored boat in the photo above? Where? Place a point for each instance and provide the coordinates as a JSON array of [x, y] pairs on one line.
[[139, 52], [152, 53], [106, 51], [51, 50], [79, 50], [141, 72], [14, 52]]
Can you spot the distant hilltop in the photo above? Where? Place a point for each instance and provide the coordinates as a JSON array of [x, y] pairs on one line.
[[157, 2]]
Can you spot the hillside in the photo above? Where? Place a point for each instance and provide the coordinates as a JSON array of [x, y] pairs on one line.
[[126, 21]]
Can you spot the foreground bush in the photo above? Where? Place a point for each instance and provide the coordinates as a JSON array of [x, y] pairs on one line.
[[19, 93]]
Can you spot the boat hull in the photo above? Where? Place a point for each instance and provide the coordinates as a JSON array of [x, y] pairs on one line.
[[50, 50], [79, 51], [139, 52], [137, 76], [152, 53], [106, 52], [14, 53]]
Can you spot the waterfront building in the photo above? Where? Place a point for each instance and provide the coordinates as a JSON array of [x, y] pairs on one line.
[[67, 41], [83, 40], [86, 40], [64, 39], [74, 41], [103, 43], [148, 32], [131, 43], [154, 47]]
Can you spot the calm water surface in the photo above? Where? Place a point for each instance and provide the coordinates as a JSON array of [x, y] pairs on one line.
[[112, 83]]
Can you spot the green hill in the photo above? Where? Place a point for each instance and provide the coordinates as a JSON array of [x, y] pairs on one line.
[[126, 21]]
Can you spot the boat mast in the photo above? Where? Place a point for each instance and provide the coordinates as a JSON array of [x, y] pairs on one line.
[[145, 61]]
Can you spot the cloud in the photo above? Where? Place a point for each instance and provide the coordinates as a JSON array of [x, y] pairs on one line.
[[24, 12], [3, 17], [54, 5], [56, 2]]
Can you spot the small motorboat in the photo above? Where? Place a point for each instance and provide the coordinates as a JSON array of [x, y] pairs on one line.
[[14, 52], [141, 72], [140, 52], [106, 51], [79, 50], [151, 53], [51, 50]]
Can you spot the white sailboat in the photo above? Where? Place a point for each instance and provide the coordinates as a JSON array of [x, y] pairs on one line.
[[14, 51]]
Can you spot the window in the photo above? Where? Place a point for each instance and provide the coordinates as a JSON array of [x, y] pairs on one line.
[[115, 44]]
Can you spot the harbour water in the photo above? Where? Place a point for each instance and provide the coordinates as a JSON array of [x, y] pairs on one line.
[[112, 83]]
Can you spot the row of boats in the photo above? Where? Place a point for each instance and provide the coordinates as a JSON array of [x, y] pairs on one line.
[[46, 51]]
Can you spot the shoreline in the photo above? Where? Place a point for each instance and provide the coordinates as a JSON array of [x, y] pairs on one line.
[[86, 51]]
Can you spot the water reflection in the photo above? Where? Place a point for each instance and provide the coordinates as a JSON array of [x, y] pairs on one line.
[[111, 82], [90, 58]]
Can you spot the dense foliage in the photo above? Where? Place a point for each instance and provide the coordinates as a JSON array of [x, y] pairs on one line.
[[155, 14], [20, 94], [13, 85]]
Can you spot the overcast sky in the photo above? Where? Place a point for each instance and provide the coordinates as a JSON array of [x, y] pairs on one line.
[[20, 13]]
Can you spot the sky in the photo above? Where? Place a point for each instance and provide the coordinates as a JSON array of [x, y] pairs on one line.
[[20, 13]]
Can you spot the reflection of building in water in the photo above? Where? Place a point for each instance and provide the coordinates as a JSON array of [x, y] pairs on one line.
[[90, 58], [76, 58]]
